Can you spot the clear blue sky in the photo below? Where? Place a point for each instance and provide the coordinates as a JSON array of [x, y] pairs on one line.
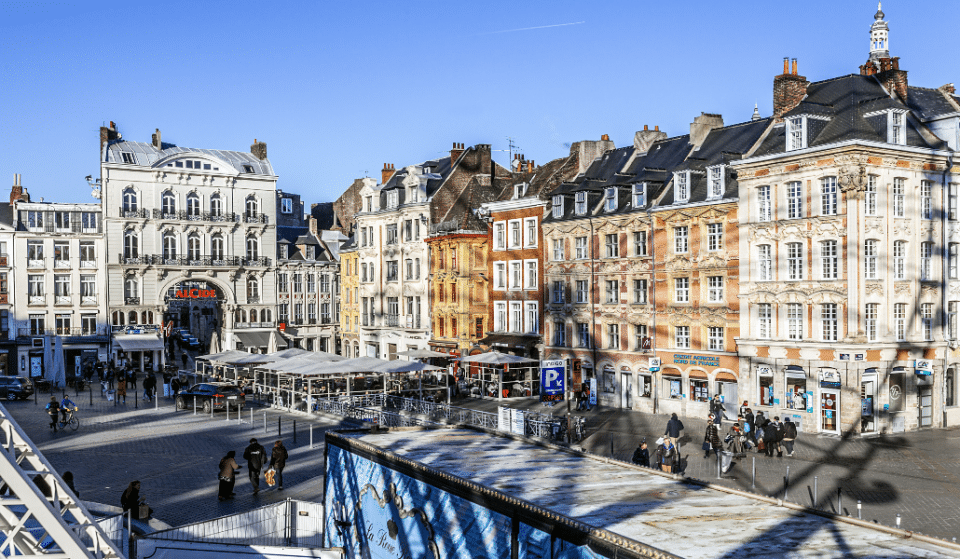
[[336, 89]]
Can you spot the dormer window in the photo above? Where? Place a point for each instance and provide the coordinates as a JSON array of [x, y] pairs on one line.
[[393, 199], [639, 195], [248, 168], [610, 199], [284, 252], [581, 203], [558, 206], [896, 128], [311, 252], [519, 190], [286, 205], [715, 182], [681, 187], [796, 133], [127, 157], [412, 195]]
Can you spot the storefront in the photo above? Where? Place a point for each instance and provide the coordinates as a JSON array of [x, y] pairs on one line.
[[726, 387], [869, 413], [829, 401]]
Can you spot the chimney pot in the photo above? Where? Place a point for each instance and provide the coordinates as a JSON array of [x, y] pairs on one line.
[[386, 173], [657, 127], [794, 72], [605, 137], [645, 127], [786, 65]]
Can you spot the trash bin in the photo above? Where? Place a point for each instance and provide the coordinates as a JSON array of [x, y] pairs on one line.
[[166, 391], [110, 395], [726, 460]]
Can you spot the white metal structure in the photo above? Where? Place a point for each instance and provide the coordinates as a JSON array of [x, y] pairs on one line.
[[32, 523]]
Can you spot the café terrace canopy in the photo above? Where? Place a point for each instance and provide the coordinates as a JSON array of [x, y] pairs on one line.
[[224, 356], [139, 342], [260, 339], [422, 353], [496, 358]]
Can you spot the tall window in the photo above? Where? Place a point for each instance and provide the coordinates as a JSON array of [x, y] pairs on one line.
[[899, 260], [516, 275], [870, 321], [715, 338], [131, 244], [168, 203], [796, 135], [639, 195], [715, 181], [583, 334], [714, 236], [253, 248], [193, 205], [253, 289], [640, 333], [283, 284], [795, 321], [297, 282], [900, 320], [640, 243], [763, 198], [558, 250], [828, 260], [216, 205], [765, 315], [765, 262], [926, 200], [499, 275], [681, 241], [580, 206], [640, 291], [926, 318], [897, 135], [794, 200], [683, 187], [500, 236], [216, 246], [500, 315], [610, 199], [169, 246], [131, 288], [530, 275], [193, 246], [559, 333], [952, 201], [870, 200], [581, 246], [251, 207], [681, 337], [558, 289], [581, 291], [795, 261], [613, 336], [681, 290], [870, 259], [715, 289], [557, 208], [613, 245], [129, 199], [952, 319], [828, 318], [952, 260], [532, 322], [926, 261], [828, 196], [613, 291], [899, 192]]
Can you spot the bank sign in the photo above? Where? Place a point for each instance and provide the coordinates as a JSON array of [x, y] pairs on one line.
[[552, 375]]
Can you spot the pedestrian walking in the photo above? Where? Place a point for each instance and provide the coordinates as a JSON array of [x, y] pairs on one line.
[[668, 456], [748, 426], [183, 359], [174, 386], [716, 408], [278, 459], [789, 435], [641, 456], [68, 479], [122, 389], [149, 385], [674, 426], [53, 410], [255, 455], [711, 438], [735, 438], [227, 476], [131, 501], [769, 438]]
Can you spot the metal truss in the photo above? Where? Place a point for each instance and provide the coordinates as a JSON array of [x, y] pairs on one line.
[[39, 514]]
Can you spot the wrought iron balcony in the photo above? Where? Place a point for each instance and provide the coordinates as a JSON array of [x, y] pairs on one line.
[[131, 300], [253, 217], [141, 213], [183, 215], [101, 330]]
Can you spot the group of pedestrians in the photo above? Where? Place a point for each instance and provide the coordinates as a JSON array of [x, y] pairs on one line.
[[55, 409], [767, 435], [256, 456]]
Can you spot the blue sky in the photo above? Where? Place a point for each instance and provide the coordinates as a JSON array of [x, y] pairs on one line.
[[337, 89]]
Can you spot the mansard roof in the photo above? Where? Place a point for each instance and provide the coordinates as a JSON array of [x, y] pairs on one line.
[[147, 155]]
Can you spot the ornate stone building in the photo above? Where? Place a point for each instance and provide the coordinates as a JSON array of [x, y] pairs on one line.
[[458, 285]]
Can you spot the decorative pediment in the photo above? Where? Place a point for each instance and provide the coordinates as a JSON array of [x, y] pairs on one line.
[[873, 288], [902, 227], [873, 224]]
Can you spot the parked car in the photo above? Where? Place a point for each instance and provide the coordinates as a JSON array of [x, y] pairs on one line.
[[15, 388], [191, 342], [211, 396]]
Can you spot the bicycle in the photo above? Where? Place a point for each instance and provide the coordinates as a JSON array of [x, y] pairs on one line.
[[71, 420], [579, 427]]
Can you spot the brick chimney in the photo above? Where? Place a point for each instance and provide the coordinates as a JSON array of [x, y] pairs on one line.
[[588, 150], [156, 140], [530, 166], [386, 172], [702, 125], [645, 138], [17, 193], [789, 89], [258, 149], [108, 134], [455, 152], [312, 225]]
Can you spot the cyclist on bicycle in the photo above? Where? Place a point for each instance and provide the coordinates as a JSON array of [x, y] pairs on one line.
[[66, 407]]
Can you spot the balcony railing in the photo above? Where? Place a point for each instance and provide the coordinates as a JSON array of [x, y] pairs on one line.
[[101, 330], [261, 261], [254, 324], [35, 263], [88, 263], [253, 299], [391, 320], [204, 260], [61, 264], [37, 300], [183, 215], [142, 213], [88, 299], [62, 300], [131, 300], [252, 217]]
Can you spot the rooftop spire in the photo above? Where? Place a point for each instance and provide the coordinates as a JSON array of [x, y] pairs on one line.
[[756, 113], [879, 37]]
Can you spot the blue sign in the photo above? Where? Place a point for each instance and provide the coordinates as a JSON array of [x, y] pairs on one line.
[[593, 391], [552, 376]]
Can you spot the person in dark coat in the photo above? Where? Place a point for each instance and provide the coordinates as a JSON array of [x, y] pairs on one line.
[[228, 475], [748, 419], [68, 479], [149, 384], [130, 500], [278, 459], [712, 438], [716, 408], [674, 426], [256, 456], [53, 410], [770, 435], [789, 435], [641, 456]]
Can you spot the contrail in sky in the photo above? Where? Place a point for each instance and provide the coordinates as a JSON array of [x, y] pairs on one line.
[[529, 28]]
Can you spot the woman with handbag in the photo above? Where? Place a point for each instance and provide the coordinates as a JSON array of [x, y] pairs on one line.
[[227, 476], [711, 439], [133, 502]]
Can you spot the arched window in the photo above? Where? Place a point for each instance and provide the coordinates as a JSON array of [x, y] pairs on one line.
[[243, 315], [132, 319], [168, 203], [131, 290], [131, 244], [216, 247], [193, 205], [237, 316], [266, 315], [253, 289], [193, 246], [117, 318], [169, 246], [146, 317], [216, 205], [251, 206], [253, 248], [129, 199]]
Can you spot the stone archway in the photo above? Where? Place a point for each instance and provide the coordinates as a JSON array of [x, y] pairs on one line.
[[198, 304]]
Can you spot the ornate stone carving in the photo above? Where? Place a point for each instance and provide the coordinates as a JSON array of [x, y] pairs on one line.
[[929, 289], [901, 287], [873, 224], [873, 288], [902, 226], [853, 180]]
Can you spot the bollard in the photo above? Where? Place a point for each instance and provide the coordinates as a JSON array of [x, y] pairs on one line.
[[840, 501], [786, 484], [264, 423], [898, 520], [311, 437], [194, 406], [294, 431], [91, 395], [211, 409], [252, 424], [136, 403], [279, 428], [719, 468], [754, 484], [611, 446], [859, 510], [815, 496]]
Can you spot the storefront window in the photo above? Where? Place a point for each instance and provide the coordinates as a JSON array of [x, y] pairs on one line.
[[672, 387], [896, 392], [608, 381], [796, 388], [698, 390], [645, 386], [765, 388], [950, 387]]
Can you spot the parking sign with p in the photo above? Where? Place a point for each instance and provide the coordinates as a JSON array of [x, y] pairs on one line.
[[552, 376]]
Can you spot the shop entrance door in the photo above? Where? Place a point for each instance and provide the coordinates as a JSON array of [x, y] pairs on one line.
[[626, 391], [728, 393], [868, 404], [829, 411], [925, 395]]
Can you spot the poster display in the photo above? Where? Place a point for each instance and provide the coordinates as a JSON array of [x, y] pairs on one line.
[[593, 391]]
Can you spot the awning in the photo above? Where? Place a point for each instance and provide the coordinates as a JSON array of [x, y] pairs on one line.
[[139, 342], [524, 341], [260, 339]]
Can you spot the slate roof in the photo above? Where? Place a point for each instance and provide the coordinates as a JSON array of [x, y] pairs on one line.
[[7, 215], [929, 103], [844, 101], [325, 215], [145, 154], [435, 171]]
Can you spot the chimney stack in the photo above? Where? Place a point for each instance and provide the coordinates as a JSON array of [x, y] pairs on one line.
[[312, 225], [156, 140], [17, 193], [258, 149], [702, 125], [645, 138], [455, 152], [386, 173], [789, 89]]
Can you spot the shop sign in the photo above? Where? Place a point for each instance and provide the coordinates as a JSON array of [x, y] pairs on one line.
[[552, 376], [593, 391], [195, 294], [924, 367], [764, 370], [858, 357], [829, 379], [575, 366], [701, 360], [844, 356], [654, 364]]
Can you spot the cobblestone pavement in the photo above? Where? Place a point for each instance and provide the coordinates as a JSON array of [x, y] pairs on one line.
[[174, 454], [916, 475]]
